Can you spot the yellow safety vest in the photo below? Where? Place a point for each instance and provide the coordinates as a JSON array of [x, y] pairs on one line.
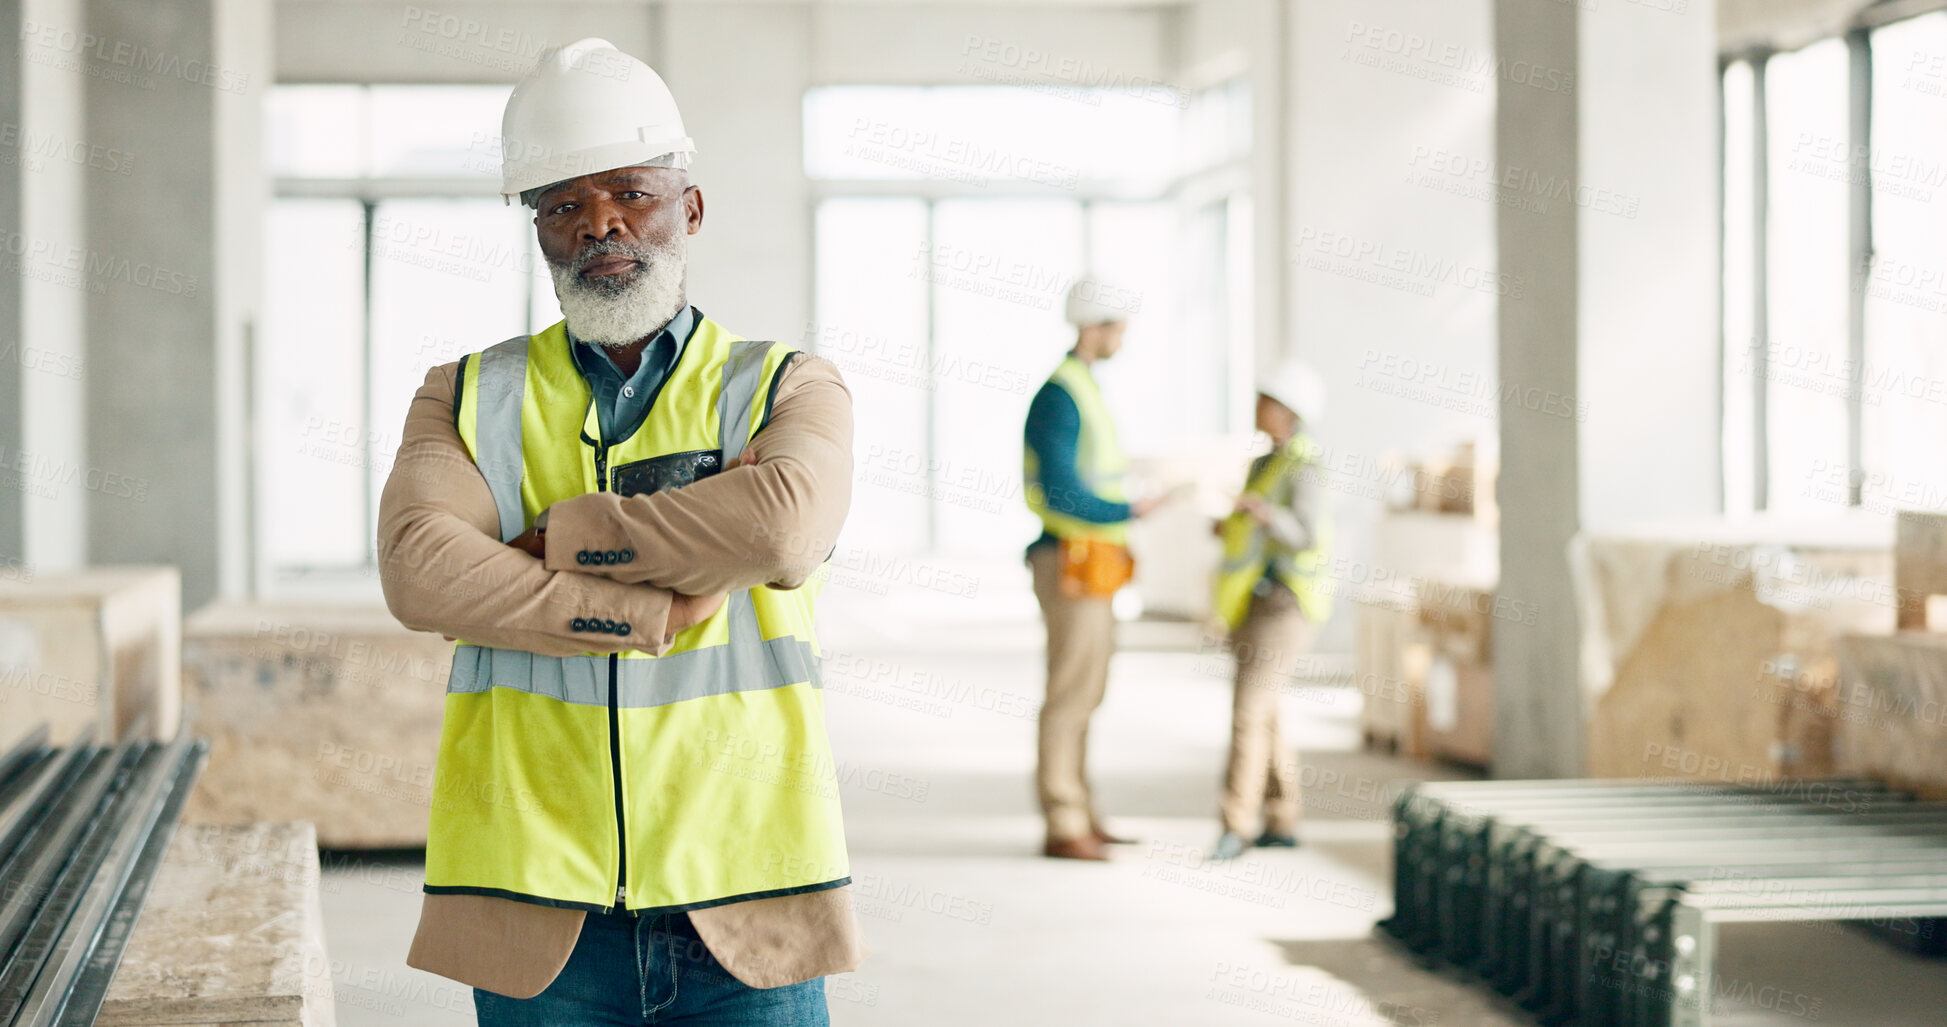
[[692, 779], [1249, 551], [1099, 461]]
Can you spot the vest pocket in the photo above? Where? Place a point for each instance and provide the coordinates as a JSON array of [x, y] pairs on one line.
[[671, 471]]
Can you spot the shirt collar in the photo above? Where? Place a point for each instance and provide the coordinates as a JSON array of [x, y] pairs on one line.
[[594, 359]]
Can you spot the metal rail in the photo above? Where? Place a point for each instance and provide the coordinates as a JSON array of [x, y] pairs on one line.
[[91, 988], [81, 835], [26, 807], [127, 837], [23, 752], [1574, 897]]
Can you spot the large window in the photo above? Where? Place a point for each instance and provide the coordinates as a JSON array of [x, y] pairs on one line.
[[1904, 417], [1835, 276], [389, 251], [1741, 319], [1805, 412], [951, 222]]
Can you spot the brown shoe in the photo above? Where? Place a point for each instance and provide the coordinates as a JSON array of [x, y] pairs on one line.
[[1085, 847], [1106, 838]]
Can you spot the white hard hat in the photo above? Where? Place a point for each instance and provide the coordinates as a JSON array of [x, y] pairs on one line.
[[1092, 301], [1297, 386], [587, 107]]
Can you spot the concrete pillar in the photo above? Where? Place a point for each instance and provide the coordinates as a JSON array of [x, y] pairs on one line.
[[13, 517], [45, 484], [172, 249], [1610, 365], [1538, 718]]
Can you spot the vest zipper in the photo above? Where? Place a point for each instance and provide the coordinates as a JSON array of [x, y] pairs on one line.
[[615, 730], [615, 761]]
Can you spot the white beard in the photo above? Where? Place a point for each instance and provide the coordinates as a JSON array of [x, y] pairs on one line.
[[608, 312]]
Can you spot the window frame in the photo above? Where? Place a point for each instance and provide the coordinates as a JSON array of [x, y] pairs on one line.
[[1860, 252], [1858, 39]]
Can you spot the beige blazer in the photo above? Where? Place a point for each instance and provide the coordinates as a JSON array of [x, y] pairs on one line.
[[444, 569]]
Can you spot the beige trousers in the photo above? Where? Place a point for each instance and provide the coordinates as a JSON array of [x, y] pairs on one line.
[[1081, 638], [1262, 776]]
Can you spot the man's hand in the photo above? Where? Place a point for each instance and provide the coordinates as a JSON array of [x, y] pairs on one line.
[[533, 543], [1255, 506], [685, 611]]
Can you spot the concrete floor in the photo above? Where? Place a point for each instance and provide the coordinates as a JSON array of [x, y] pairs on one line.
[[931, 698]]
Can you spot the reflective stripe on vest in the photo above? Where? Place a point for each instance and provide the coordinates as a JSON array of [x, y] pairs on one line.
[[1099, 460], [711, 779], [745, 663], [499, 388]]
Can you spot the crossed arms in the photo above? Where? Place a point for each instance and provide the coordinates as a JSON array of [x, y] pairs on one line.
[[444, 568]]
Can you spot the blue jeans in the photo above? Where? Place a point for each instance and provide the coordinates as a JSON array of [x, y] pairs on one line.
[[651, 969]]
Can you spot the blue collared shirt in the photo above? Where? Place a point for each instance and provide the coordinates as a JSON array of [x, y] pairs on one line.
[[622, 402], [1054, 432]]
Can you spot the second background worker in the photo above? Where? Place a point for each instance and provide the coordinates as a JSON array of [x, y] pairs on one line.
[[1269, 600]]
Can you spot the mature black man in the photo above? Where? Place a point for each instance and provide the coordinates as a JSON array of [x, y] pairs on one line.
[[635, 814]]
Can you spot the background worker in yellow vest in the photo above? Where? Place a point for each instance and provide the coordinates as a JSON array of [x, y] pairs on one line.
[[635, 812], [1074, 482], [1269, 600]]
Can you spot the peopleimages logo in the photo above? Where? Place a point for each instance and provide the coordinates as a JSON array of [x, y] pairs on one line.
[[1026, 64], [96, 55], [1512, 185], [1404, 267], [27, 148], [1446, 63], [908, 362], [477, 42], [926, 151], [91, 268]]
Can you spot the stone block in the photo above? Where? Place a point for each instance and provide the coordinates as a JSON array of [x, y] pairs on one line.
[[99, 646], [329, 714], [232, 932]]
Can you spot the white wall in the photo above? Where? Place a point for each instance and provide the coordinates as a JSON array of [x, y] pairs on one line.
[[1381, 114], [1650, 366], [1216, 40], [978, 44], [366, 41], [739, 72]]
